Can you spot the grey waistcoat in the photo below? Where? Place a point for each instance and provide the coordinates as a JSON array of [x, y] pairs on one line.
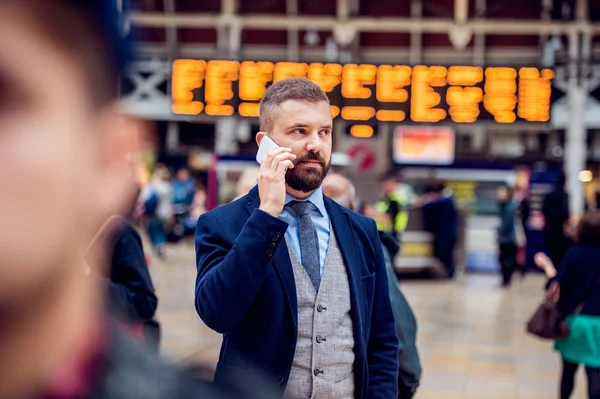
[[323, 366]]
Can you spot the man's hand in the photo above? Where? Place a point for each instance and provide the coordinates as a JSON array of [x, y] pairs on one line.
[[271, 179]]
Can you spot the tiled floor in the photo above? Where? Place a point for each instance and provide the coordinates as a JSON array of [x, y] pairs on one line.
[[471, 333]]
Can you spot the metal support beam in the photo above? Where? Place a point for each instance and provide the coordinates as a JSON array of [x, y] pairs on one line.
[[172, 140], [348, 37], [545, 16], [416, 37], [225, 136], [229, 30], [171, 31], [479, 39], [581, 10], [362, 24], [575, 157], [354, 7], [229, 7], [461, 11], [343, 10], [293, 47]]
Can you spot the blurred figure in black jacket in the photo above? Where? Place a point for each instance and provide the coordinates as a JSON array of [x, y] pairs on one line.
[[556, 218], [441, 219], [341, 190], [129, 289]]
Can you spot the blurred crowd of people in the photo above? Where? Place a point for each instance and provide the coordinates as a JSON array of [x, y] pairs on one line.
[[569, 256], [169, 209]]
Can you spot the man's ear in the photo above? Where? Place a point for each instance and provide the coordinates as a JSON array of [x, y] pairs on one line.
[[259, 137], [352, 206]]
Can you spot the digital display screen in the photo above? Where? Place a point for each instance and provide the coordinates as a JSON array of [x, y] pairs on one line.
[[370, 93], [423, 145]]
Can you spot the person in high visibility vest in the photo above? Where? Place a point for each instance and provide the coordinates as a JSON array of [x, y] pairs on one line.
[[393, 206]]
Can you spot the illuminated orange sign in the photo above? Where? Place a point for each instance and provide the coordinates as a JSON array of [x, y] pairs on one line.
[[462, 97], [500, 93], [220, 76], [535, 88], [365, 92], [424, 99], [188, 75]]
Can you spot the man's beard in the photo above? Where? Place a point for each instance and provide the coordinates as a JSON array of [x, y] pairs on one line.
[[307, 178]]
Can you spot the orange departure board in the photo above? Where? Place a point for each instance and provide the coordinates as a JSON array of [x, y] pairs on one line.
[[370, 93]]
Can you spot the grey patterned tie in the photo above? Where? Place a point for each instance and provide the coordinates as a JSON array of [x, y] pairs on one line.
[[309, 242]]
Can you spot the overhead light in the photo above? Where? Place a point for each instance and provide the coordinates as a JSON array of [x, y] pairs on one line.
[[585, 176]]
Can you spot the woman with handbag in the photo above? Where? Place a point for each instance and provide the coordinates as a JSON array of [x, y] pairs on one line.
[[579, 305]]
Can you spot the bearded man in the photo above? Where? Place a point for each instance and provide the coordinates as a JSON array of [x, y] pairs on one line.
[[295, 282]]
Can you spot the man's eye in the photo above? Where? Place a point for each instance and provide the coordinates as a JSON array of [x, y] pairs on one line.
[[324, 132], [299, 131]]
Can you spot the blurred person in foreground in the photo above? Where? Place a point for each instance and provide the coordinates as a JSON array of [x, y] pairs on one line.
[[295, 282], [342, 191], [555, 208], [393, 206], [441, 219], [61, 135], [577, 283]]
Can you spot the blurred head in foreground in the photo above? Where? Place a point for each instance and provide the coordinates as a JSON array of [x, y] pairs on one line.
[[66, 165], [340, 189], [588, 228]]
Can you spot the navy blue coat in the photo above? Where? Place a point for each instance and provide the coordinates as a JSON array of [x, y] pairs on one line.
[[245, 289], [578, 279]]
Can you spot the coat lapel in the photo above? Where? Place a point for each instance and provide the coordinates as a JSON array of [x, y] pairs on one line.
[[281, 261]]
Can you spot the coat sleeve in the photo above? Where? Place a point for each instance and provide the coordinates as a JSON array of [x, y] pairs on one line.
[[382, 351], [230, 273], [406, 327]]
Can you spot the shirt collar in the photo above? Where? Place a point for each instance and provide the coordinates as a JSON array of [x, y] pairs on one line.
[[316, 198]]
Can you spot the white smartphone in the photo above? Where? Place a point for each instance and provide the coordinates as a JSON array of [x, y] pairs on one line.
[[266, 145]]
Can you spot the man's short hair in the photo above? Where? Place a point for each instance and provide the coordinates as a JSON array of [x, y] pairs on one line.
[[88, 32], [284, 90], [434, 188], [390, 175]]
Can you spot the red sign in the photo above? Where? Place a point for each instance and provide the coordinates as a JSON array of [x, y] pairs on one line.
[[363, 157]]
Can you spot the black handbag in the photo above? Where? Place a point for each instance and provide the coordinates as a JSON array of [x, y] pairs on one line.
[[547, 322]]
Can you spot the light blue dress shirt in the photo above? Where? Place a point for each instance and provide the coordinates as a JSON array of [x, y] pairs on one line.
[[320, 218]]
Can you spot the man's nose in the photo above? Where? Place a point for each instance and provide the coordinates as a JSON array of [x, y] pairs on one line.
[[314, 142]]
